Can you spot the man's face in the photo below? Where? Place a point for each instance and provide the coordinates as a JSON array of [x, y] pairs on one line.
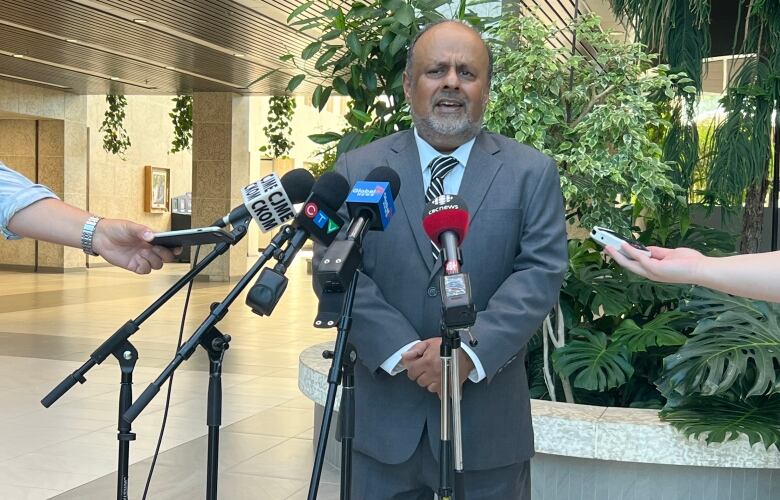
[[448, 85]]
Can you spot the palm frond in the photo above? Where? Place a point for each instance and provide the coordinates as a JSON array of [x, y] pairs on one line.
[[720, 419], [658, 332]]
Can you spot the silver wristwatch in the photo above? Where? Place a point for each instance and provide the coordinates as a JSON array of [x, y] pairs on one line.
[[87, 235]]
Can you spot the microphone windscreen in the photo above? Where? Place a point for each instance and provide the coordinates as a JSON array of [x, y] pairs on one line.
[[297, 183], [446, 213], [386, 174], [331, 189]]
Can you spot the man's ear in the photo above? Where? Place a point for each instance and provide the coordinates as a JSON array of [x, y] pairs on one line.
[[407, 85]]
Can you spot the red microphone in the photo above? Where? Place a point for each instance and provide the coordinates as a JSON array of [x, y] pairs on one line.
[[446, 222]]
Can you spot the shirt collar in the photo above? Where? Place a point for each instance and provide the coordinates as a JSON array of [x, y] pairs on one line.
[[428, 153]]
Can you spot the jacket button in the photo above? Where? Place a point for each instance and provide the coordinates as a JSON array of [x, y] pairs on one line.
[[432, 292]]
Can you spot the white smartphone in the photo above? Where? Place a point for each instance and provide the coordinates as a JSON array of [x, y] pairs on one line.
[[609, 238], [188, 237]]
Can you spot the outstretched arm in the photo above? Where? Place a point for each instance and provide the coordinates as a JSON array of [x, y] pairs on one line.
[[756, 276]]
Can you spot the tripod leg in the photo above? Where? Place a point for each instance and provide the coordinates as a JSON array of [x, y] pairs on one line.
[[347, 421], [445, 447], [215, 344]]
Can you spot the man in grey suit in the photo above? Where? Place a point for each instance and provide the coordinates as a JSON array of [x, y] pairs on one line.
[[515, 254]]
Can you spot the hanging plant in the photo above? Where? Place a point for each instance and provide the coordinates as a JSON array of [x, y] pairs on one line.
[[182, 123], [115, 138], [278, 130]]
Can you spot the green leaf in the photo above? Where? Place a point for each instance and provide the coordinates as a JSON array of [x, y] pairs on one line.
[[299, 10], [689, 89], [594, 362], [353, 43], [294, 82], [324, 97], [325, 138], [330, 35], [324, 58], [316, 97], [361, 115], [310, 50], [340, 86], [656, 332], [398, 43], [405, 15], [736, 341], [723, 419]]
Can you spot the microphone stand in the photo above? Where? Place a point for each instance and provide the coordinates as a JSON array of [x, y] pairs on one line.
[[126, 354], [457, 314], [339, 267], [215, 343]]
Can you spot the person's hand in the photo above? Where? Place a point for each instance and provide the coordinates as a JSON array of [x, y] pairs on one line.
[[126, 244], [423, 364], [668, 265]]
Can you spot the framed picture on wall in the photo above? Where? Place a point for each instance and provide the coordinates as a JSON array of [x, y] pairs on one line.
[[157, 190]]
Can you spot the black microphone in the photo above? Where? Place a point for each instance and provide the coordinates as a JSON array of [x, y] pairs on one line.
[[318, 220], [270, 200], [370, 204]]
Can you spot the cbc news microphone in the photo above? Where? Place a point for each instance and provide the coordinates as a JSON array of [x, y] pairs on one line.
[[318, 220], [446, 222], [371, 205], [270, 200]]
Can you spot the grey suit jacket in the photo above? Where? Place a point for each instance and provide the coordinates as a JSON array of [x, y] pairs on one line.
[[515, 254]]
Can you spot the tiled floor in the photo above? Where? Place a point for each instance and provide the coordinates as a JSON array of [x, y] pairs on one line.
[[49, 324]]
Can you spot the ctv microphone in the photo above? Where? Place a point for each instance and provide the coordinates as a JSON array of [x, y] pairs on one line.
[[317, 220], [370, 204], [270, 200]]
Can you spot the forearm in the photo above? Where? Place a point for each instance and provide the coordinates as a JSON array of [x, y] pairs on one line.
[[50, 220], [756, 276]]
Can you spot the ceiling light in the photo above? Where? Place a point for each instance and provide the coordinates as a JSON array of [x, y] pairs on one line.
[[238, 54], [71, 40], [19, 56], [171, 68], [140, 21], [114, 78]]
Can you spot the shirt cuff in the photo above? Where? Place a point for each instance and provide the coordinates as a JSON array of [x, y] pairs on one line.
[[393, 365], [478, 373]]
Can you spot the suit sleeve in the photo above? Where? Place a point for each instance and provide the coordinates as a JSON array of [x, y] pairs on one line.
[[520, 304], [378, 329]]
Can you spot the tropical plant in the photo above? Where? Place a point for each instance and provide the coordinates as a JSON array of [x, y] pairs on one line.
[[182, 123], [327, 162], [740, 149], [360, 52], [278, 131], [115, 138], [592, 116]]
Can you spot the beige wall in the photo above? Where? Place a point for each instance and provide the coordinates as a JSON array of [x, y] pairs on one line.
[[117, 185], [17, 150]]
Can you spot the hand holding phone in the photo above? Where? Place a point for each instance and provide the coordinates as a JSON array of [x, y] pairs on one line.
[[608, 238], [188, 237]]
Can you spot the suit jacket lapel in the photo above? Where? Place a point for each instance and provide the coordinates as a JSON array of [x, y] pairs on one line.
[[405, 159], [483, 165]]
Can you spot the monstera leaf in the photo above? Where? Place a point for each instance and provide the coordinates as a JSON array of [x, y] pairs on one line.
[[592, 361], [738, 342], [660, 331], [722, 419]]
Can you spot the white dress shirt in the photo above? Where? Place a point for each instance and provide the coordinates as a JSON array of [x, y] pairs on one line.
[[17, 192]]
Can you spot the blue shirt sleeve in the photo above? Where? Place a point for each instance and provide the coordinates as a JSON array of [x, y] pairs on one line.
[[17, 192]]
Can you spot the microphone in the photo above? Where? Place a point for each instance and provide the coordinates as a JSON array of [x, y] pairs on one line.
[[317, 220], [270, 200], [370, 204], [446, 222]]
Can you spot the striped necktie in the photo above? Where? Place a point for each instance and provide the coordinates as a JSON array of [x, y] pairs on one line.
[[440, 167]]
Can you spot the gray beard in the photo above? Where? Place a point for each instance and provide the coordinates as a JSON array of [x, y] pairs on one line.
[[457, 127]]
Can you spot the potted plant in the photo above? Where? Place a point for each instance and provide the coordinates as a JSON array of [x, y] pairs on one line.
[[278, 133]]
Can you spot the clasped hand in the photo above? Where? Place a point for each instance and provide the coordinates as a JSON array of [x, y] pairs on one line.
[[423, 364]]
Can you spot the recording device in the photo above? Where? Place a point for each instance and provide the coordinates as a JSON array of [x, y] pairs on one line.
[[371, 206], [270, 200], [446, 222], [317, 220], [608, 238], [197, 236]]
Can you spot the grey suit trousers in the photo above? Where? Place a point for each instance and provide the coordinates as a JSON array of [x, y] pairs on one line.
[[418, 478]]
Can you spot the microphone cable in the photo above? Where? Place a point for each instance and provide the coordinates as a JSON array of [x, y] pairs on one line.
[[170, 381]]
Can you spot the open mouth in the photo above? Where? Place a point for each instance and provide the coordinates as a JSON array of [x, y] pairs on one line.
[[449, 105]]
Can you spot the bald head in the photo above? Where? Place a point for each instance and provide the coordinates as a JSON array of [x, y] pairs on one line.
[[447, 83], [457, 25]]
